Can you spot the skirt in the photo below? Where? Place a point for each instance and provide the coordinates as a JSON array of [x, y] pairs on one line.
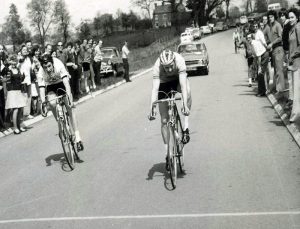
[[15, 99]]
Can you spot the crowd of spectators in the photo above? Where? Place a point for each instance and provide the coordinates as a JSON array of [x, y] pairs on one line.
[[19, 93], [272, 50]]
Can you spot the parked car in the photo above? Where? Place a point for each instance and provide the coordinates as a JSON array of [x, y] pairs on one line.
[[189, 29], [195, 56], [197, 34], [221, 26], [186, 37], [205, 29], [111, 62]]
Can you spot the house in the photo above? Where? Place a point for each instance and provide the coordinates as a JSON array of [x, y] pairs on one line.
[[162, 15]]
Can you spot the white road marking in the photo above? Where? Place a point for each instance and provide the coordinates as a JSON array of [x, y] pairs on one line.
[[126, 217]]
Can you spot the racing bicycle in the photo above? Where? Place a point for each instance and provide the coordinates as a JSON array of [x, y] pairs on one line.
[[175, 153], [66, 132]]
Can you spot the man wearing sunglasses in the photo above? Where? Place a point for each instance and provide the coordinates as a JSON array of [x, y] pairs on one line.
[[53, 80], [169, 73]]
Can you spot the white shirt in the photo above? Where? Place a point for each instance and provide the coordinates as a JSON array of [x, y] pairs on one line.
[[125, 52], [259, 36], [258, 47], [98, 54], [25, 68], [55, 77]]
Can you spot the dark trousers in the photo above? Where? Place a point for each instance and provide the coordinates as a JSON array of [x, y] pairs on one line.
[[74, 81], [126, 68], [2, 109], [261, 76], [97, 68]]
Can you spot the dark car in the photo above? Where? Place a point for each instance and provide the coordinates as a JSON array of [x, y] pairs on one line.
[[111, 62], [195, 56]]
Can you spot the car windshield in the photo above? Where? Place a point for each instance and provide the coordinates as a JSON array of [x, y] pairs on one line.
[[108, 52], [191, 48]]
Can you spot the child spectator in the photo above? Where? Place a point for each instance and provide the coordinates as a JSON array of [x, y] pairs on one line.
[[15, 100]]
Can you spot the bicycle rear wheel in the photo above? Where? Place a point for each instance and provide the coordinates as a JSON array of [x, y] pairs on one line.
[[65, 138], [172, 161], [179, 144]]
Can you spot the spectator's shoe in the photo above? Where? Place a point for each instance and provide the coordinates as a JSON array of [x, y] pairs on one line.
[[29, 117], [22, 129], [79, 146], [250, 85], [17, 131], [260, 95], [128, 81], [186, 136]]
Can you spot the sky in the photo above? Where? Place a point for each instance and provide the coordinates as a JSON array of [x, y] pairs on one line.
[[79, 9]]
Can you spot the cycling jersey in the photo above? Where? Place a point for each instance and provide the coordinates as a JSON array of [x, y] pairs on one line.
[[44, 79], [160, 73]]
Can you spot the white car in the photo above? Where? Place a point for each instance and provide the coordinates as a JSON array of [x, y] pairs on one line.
[[186, 37], [205, 29]]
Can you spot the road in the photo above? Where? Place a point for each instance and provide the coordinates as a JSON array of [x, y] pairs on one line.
[[242, 166]]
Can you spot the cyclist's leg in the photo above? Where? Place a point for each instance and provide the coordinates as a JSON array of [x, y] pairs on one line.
[[74, 125], [51, 97]]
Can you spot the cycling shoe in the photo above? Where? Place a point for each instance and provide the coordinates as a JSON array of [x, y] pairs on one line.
[[186, 136]]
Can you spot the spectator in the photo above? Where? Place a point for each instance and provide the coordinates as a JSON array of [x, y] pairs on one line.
[[92, 83], [28, 44], [259, 36], [53, 54], [86, 52], [49, 49], [262, 63], [125, 53], [236, 39], [78, 71], [61, 53], [97, 62], [3, 60], [250, 59], [15, 100], [25, 68], [34, 86], [294, 60], [277, 53], [72, 67]]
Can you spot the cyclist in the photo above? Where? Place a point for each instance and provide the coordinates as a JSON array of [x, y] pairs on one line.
[[51, 77], [169, 73]]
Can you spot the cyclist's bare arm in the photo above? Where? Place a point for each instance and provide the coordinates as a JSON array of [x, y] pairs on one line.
[[42, 94], [183, 84], [155, 88]]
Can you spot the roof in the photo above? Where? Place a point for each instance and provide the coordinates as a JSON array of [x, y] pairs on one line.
[[162, 9]]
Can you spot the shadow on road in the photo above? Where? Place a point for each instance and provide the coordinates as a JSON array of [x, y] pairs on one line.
[[277, 123], [161, 168], [59, 158]]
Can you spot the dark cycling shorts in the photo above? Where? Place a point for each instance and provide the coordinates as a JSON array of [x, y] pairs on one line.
[[167, 87], [85, 66], [56, 88]]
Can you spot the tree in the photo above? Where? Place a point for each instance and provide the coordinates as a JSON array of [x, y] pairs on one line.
[[227, 3], [132, 19], [234, 12], [220, 12], [42, 15], [144, 5], [125, 21], [13, 27], [202, 9], [63, 18], [249, 6], [84, 30], [97, 24], [107, 23], [261, 6]]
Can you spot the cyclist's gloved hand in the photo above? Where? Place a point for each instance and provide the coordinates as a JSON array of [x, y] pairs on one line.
[[185, 111], [152, 114]]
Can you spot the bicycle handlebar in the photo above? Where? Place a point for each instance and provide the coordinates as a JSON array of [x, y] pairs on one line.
[[166, 100], [44, 109]]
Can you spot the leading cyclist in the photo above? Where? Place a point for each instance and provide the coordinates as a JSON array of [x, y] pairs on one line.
[[53, 80], [169, 73]]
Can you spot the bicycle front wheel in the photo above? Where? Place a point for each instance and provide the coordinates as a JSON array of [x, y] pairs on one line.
[[172, 161], [65, 138], [179, 144]]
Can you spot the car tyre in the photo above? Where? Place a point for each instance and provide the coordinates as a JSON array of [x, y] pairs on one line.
[[206, 71]]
